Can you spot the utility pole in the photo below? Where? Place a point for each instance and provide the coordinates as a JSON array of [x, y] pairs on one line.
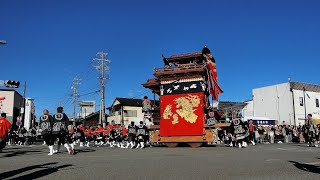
[[305, 103], [76, 82], [24, 102], [103, 67]]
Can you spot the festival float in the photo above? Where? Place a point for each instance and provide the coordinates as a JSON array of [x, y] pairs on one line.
[[187, 86]]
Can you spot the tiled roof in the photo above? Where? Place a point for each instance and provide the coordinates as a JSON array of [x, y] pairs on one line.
[[130, 102], [92, 115], [308, 87], [152, 82], [185, 56]]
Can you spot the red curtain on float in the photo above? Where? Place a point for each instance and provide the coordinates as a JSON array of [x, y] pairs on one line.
[[215, 89], [182, 114]]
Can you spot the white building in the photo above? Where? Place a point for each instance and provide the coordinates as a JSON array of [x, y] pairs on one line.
[[125, 110], [10, 103], [86, 108], [29, 117], [288, 102]]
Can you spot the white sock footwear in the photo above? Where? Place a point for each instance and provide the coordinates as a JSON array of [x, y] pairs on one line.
[[72, 146], [50, 150], [138, 146], [66, 146], [253, 143], [58, 149], [244, 144], [142, 145], [131, 143], [88, 144], [70, 151], [239, 145], [81, 144]]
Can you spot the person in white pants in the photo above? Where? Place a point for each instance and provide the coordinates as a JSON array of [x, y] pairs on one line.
[[141, 133], [46, 121], [59, 128], [132, 131]]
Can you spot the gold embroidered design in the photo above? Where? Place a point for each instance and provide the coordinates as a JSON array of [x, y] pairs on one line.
[[185, 107], [167, 112]]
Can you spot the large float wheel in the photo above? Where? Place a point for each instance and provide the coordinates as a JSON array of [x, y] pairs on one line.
[[194, 145], [171, 145]]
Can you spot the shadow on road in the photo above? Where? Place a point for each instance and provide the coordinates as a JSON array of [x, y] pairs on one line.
[[76, 151], [300, 144], [17, 153], [45, 170], [306, 167]]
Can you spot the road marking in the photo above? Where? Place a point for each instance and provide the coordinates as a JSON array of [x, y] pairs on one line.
[[273, 159], [283, 149], [313, 163]]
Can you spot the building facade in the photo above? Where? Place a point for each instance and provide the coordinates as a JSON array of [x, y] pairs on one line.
[[92, 119], [29, 116], [86, 108], [124, 110], [287, 102], [11, 103]]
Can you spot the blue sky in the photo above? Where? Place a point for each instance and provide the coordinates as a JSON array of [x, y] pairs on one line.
[[255, 44]]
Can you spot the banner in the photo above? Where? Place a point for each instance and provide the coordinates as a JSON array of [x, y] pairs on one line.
[[182, 114], [264, 122], [183, 87]]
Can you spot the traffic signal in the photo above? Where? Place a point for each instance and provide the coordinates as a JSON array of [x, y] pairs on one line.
[[12, 84], [3, 42]]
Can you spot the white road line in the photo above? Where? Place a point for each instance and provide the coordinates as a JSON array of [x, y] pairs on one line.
[[313, 163], [273, 159]]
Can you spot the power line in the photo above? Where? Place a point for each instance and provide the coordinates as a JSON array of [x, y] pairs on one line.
[[140, 94], [89, 93]]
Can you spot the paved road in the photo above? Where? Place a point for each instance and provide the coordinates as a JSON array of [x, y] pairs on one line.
[[277, 161]]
